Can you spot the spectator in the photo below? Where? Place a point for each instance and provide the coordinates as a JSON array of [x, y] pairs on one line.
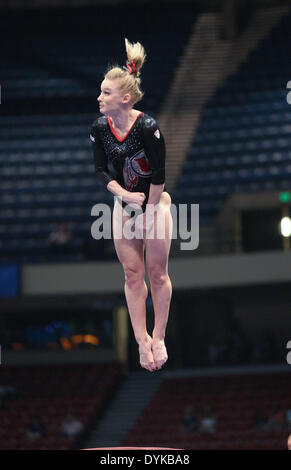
[[239, 343], [276, 420], [71, 426], [35, 428], [189, 422], [218, 351], [208, 421], [264, 349], [288, 418], [289, 442], [7, 392], [260, 420], [213, 354], [59, 241]]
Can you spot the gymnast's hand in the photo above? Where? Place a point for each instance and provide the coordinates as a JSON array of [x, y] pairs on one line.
[[134, 198]]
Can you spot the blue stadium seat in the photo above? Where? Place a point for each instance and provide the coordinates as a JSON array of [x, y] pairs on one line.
[[242, 142]]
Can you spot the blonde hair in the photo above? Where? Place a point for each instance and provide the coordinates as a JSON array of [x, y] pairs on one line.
[[130, 82]]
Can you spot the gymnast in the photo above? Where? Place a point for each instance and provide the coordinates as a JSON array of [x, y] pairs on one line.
[[129, 155]]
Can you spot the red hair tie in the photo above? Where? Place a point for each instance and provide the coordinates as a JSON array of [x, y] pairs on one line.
[[132, 67]]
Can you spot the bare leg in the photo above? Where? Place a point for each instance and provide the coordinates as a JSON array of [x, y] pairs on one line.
[[131, 256], [157, 253]]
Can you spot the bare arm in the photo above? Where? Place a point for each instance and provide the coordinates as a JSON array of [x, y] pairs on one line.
[[128, 197], [116, 189]]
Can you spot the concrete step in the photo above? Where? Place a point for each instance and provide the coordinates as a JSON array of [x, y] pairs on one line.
[[127, 405]]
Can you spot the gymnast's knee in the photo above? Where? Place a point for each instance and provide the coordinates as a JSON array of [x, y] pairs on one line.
[[134, 276], [158, 276]]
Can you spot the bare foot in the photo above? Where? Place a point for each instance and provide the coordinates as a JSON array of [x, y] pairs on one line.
[[159, 353], [145, 354]]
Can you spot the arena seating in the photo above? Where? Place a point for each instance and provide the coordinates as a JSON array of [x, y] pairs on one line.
[[243, 140], [50, 392], [50, 87], [234, 399], [49, 90]]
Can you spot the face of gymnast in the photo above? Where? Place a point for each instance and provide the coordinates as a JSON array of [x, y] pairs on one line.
[[112, 100]]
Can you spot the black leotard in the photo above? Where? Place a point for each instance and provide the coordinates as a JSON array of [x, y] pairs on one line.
[[135, 161]]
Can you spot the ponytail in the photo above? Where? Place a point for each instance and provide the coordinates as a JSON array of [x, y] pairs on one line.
[[130, 73]]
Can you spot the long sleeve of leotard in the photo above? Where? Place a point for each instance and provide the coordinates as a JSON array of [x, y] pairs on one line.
[[155, 148], [100, 159]]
